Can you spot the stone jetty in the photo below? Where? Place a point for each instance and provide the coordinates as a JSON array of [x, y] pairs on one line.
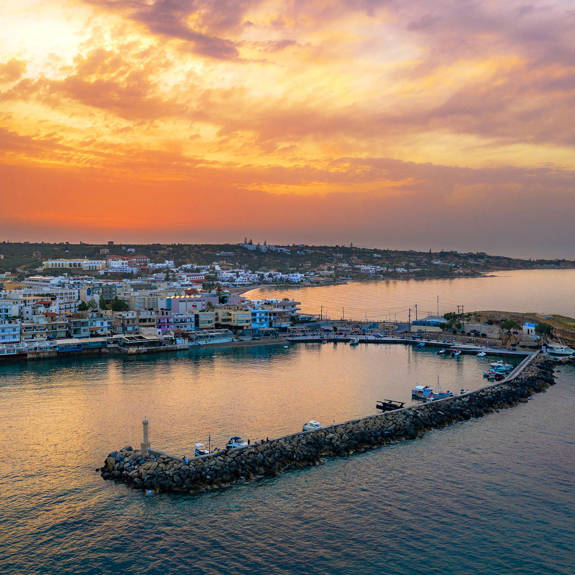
[[146, 469]]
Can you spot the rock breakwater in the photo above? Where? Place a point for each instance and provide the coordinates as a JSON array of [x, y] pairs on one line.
[[166, 474]]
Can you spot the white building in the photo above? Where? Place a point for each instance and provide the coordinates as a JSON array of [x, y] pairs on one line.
[[79, 264], [9, 332], [529, 328]]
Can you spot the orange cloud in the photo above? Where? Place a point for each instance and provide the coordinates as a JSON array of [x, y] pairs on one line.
[[274, 112]]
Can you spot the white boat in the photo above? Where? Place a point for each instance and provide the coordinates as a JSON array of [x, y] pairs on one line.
[[311, 425], [560, 350], [501, 366], [200, 449], [441, 351], [481, 354], [421, 344], [354, 341], [236, 442], [456, 353]]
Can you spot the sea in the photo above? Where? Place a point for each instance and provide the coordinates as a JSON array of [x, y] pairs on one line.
[[494, 495]]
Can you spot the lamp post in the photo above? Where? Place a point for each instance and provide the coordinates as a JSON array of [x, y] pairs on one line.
[[145, 447]]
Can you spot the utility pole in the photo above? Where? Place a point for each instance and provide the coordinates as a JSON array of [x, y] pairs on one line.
[[437, 305], [343, 313], [321, 313], [409, 318], [415, 312]]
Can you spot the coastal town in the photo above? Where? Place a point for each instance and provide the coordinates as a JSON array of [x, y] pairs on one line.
[[130, 304]]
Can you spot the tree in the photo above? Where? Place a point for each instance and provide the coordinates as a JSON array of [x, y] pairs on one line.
[[543, 329], [509, 324], [103, 304], [119, 305], [83, 306]]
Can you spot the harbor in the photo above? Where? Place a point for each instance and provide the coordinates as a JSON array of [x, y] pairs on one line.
[[155, 471]]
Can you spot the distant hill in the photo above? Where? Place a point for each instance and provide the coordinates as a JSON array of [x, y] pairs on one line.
[[343, 261]]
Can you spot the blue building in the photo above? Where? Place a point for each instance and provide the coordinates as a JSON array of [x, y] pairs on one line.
[[260, 319]]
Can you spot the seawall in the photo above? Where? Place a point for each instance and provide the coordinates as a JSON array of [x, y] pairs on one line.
[[167, 474]]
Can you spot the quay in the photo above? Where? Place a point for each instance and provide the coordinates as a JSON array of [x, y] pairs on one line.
[[148, 469], [406, 340], [129, 345]]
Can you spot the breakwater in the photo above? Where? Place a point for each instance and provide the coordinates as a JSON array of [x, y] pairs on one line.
[[167, 474]]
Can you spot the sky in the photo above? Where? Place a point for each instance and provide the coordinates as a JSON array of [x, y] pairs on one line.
[[407, 125]]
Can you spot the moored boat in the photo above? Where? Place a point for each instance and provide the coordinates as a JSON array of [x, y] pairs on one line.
[[559, 350], [200, 449], [389, 405], [421, 392], [311, 425], [235, 442]]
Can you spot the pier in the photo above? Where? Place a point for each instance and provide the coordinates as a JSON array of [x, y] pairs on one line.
[[153, 470]]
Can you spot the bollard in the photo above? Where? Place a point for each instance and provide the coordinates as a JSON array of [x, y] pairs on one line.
[[145, 447]]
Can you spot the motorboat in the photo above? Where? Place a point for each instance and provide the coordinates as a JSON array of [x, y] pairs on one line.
[[442, 351], [501, 366], [389, 405], [494, 375], [439, 395], [235, 442], [463, 391], [354, 341], [455, 352], [200, 449], [560, 350], [311, 425], [481, 354], [422, 392], [421, 344]]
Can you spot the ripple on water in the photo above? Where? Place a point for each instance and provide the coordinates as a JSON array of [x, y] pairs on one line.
[[493, 495]]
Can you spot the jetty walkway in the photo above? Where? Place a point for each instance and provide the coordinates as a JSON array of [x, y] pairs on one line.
[[152, 470]]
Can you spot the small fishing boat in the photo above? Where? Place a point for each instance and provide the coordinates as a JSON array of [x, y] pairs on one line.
[[235, 442], [463, 391], [354, 341], [481, 354], [311, 425], [455, 353], [421, 344], [389, 405], [421, 392], [439, 395], [200, 449], [559, 350], [501, 366], [442, 351]]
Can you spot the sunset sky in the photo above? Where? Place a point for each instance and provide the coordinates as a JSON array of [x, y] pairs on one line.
[[400, 124]]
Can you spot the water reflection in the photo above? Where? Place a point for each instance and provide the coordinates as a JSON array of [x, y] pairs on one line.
[[543, 291], [255, 392]]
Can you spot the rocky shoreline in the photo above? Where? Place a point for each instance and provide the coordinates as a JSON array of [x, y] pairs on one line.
[[163, 473]]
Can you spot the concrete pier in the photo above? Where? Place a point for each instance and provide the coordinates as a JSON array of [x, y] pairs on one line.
[[163, 473]]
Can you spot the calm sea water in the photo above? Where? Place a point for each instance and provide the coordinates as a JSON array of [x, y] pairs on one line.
[[543, 291], [494, 495]]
